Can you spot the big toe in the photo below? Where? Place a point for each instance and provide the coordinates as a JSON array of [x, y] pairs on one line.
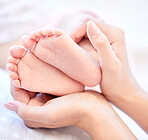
[[28, 43], [17, 51]]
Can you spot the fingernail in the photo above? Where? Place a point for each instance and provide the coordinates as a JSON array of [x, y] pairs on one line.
[[92, 28], [10, 106]]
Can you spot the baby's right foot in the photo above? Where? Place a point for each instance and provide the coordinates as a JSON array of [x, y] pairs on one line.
[[58, 49], [30, 73]]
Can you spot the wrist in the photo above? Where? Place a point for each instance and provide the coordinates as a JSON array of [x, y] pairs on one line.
[[134, 103], [105, 125], [91, 122], [94, 115], [101, 121], [126, 92]]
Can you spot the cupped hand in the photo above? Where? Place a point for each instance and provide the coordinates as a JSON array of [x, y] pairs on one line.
[[109, 42], [44, 110], [88, 110], [28, 98]]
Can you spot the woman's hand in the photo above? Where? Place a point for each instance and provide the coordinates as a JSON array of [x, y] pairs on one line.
[[109, 42], [88, 110], [118, 83]]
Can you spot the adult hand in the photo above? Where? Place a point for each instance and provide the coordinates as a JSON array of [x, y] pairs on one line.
[[89, 111], [29, 98], [109, 42], [118, 83]]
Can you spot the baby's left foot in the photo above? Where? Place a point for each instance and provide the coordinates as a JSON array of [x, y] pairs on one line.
[[30, 73], [58, 49]]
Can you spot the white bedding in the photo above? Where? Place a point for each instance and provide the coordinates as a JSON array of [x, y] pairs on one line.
[[13, 128]]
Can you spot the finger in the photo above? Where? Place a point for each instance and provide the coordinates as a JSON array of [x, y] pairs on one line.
[[80, 30], [25, 112], [39, 114], [114, 34], [100, 43], [116, 38], [78, 33], [20, 94], [38, 100], [55, 113]]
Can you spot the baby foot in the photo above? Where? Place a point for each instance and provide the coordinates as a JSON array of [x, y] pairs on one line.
[[56, 48], [32, 74]]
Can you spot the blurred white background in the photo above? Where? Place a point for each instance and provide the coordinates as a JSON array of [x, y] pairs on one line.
[[131, 15]]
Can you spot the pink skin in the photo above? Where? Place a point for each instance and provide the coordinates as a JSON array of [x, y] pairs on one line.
[[32, 74], [17, 51], [74, 109], [56, 48]]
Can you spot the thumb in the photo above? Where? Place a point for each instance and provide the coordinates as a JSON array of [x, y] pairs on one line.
[[32, 113], [26, 112], [16, 106], [100, 43]]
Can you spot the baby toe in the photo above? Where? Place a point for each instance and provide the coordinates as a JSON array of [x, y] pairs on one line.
[[57, 31], [34, 36], [17, 52], [13, 75], [47, 32], [16, 83], [39, 32], [12, 67], [28, 43], [12, 60]]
